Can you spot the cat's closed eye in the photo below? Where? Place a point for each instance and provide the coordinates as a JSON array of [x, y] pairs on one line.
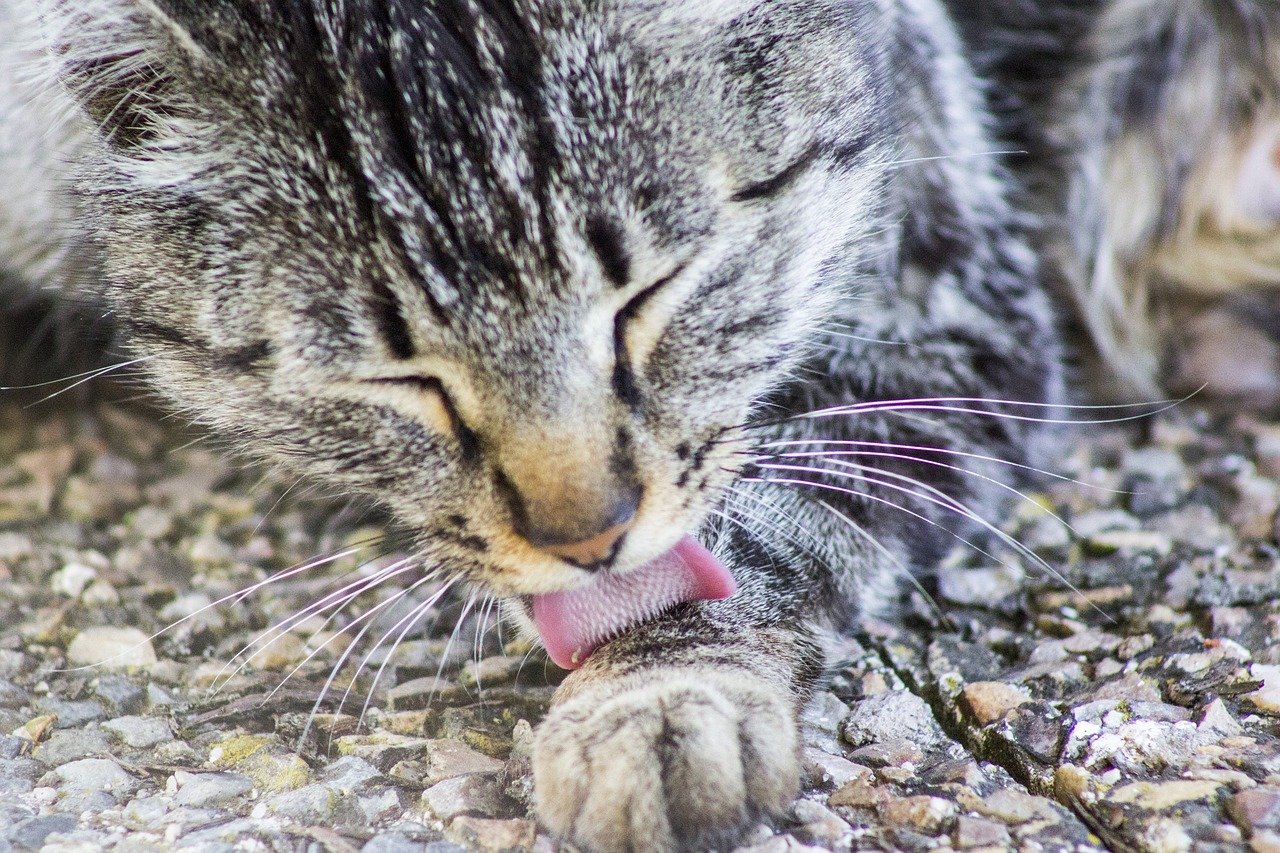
[[635, 333]]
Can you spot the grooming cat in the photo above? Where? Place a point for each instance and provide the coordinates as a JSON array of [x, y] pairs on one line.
[[581, 291], [1153, 132]]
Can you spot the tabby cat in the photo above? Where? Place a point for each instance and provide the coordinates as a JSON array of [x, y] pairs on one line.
[[686, 327]]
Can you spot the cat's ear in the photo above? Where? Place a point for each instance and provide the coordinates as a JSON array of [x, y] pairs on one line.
[[128, 63]]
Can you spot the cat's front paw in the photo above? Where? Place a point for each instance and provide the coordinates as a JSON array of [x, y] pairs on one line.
[[674, 760]]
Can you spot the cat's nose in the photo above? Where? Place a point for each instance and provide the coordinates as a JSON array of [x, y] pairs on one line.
[[576, 534]]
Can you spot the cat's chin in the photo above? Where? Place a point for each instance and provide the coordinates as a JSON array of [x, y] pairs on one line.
[[574, 623]]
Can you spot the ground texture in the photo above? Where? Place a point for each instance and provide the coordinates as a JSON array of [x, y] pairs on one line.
[[1140, 712]]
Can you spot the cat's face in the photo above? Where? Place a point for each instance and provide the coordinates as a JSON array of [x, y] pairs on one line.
[[517, 276]]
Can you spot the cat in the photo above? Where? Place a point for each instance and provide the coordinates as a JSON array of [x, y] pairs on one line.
[[687, 328], [1153, 137]]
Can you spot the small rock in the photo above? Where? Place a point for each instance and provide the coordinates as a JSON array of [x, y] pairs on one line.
[[140, 732], [72, 578], [818, 824], [827, 772], [1158, 796], [1217, 718], [1256, 808], [1129, 542], [980, 587], [988, 701], [315, 805], [72, 714], [468, 795], [202, 790], [894, 753], [108, 646], [349, 773], [283, 651], [928, 815], [973, 832], [71, 744], [494, 835], [1013, 806], [31, 834], [895, 716], [97, 774]]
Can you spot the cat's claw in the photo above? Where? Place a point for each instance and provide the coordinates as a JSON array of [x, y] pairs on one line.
[[670, 760]]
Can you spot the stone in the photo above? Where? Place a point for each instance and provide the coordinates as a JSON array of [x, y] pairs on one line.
[[120, 694], [895, 716], [111, 647], [480, 796], [72, 714], [973, 832], [988, 701], [448, 759], [202, 790], [140, 732], [18, 776], [31, 834], [1110, 542], [980, 587], [818, 824], [498, 836], [315, 805], [1014, 806], [894, 753], [1158, 796], [70, 744], [99, 774], [1266, 698], [349, 773], [1256, 808], [827, 772], [395, 842], [924, 814]]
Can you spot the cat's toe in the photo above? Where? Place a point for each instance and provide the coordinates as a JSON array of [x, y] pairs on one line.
[[678, 762]]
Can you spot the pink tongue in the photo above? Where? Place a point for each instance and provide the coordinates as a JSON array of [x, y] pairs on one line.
[[573, 623]]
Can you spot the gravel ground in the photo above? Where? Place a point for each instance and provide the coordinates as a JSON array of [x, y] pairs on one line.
[[1139, 712]]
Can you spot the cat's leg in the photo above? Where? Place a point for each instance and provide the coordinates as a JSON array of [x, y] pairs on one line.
[[1168, 134], [684, 731]]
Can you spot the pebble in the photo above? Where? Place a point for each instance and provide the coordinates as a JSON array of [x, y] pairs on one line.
[[316, 805], [971, 832], [925, 814], [68, 745], [111, 647], [818, 824], [493, 835], [467, 795], [988, 701], [99, 774], [1256, 808], [140, 732], [209, 789], [895, 716]]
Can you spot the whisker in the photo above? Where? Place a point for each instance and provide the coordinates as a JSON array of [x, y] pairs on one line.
[[409, 621], [957, 468], [234, 598], [946, 502], [941, 450], [87, 375], [367, 618], [94, 375], [343, 605], [903, 569], [338, 599]]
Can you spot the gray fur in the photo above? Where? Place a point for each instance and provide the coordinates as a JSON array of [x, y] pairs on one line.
[[1136, 114], [385, 244]]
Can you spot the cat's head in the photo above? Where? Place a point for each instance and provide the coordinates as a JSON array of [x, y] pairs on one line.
[[515, 268]]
